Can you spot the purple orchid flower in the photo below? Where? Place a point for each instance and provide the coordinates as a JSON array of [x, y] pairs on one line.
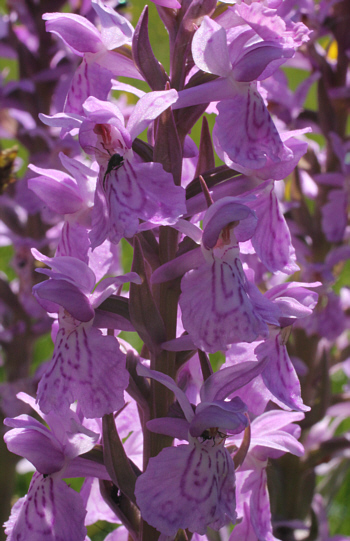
[[100, 61], [245, 45], [86, 365], [96, 507], [129, 190], [219, 305], [199, 491], [287, 104], [272, 434], [46, 511], [271, 240]]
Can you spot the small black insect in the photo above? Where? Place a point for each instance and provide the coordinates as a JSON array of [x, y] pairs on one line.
[[211, 433], [115, 161]]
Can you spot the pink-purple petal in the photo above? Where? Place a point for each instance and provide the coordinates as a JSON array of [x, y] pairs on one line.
[[70, 269], [76, 31], [215, 415], [224, 212], [182, 343], [116, 29], [178, 266], [279, 376], [74, 241], [173, 4], [244, 531], [69, 123], [59, 197], [336, 206], [90, 79], [168, 382], [99, 219], [216, 309], [51, 510], [254, 392], [260, 63], [169, 426], [260, 513], [64, 294], [257, 140], [86, 366], [209, 48], [141, 191], [96, 507], [109, 285], [271, 169], [189, 486], [228, 380], [36, 443], [165, 202], [149, 107], [272, 238]]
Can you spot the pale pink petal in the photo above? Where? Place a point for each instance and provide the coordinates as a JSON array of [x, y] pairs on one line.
[[209, 48], [149, 107], [116, 29]]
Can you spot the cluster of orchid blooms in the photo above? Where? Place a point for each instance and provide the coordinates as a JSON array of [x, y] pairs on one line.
[[232, 258]]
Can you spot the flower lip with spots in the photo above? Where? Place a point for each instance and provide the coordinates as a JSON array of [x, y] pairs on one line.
[[128, 190], [199, 490]]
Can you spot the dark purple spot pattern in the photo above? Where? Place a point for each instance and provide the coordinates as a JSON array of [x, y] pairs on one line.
[[51, 510], [216, 308], [141, 191], [189, 486], [86, 366]]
